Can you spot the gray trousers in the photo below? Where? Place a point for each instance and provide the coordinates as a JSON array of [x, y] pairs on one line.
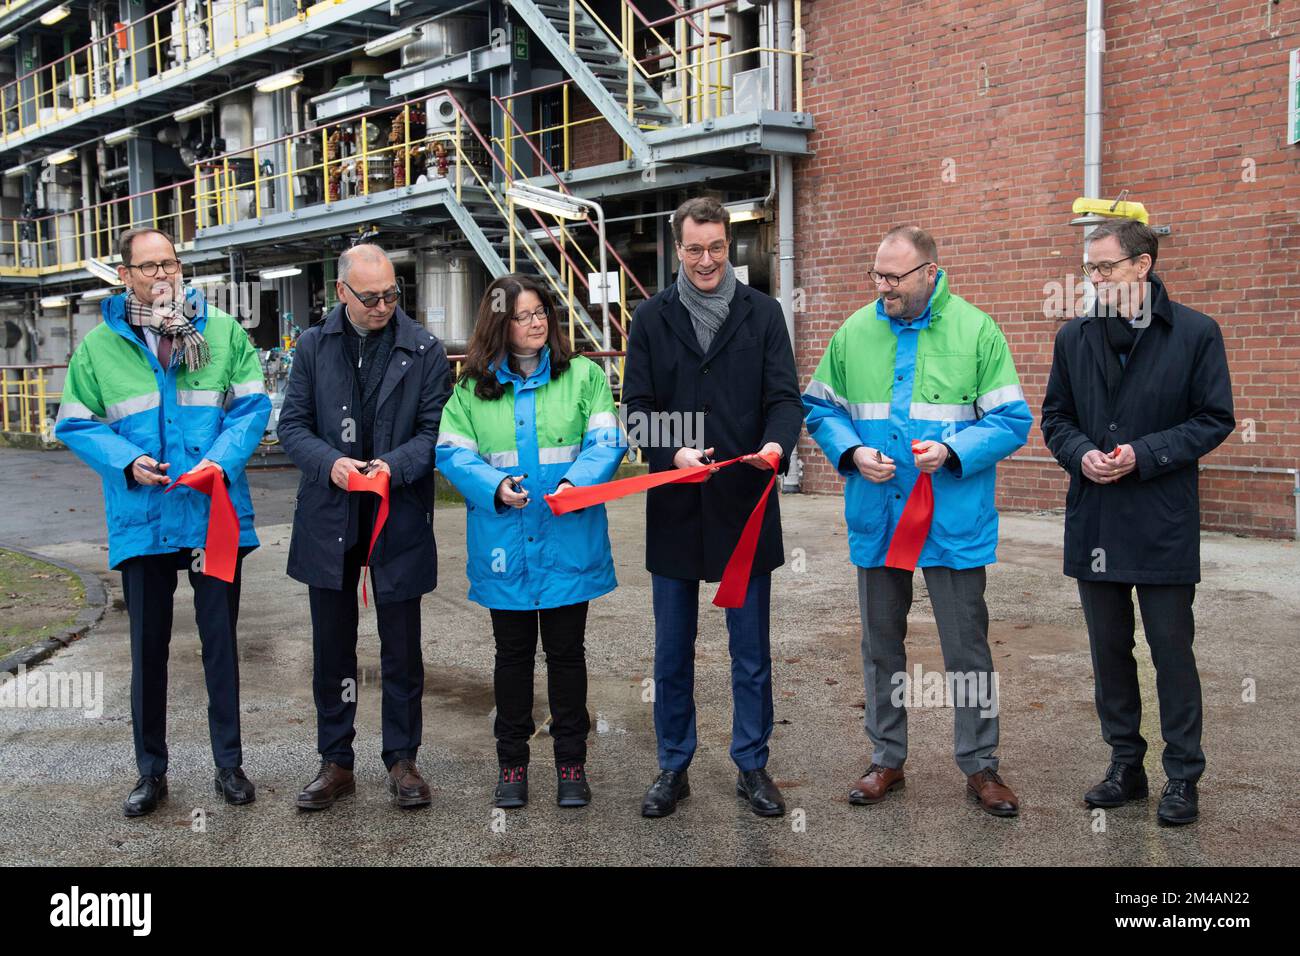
[[884, 598]]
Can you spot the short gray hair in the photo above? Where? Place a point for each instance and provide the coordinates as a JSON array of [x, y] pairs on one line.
[[367, 251]]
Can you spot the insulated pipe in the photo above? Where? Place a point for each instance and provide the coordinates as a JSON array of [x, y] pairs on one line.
[[87, 202], [785, 202], [1095, 45]]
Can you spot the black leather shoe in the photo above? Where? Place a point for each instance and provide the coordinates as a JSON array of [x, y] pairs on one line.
[[234, 786], [1123, 782], [661, 799], [571, 789], [1178, 804], [145, 797], [512, 789], [763, 796]]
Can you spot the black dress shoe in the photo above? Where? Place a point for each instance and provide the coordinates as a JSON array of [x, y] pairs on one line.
[[512, 789], [763, 796], [1178, 804], [571, 789], [661, 799], [1123, 782], [234, 786], [144, 798]]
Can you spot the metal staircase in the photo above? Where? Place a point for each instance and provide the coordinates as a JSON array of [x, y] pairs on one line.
[[481, 220], [600, 68]]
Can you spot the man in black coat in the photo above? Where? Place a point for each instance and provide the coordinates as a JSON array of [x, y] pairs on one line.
[[709, 349], [1138, 392], [365, 394]]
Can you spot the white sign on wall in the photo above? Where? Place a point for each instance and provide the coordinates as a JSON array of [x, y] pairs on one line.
[[595, 288]]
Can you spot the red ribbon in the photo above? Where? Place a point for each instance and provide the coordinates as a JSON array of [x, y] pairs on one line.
[[221, 549], [377, 484], [735, 577], [914, 524]]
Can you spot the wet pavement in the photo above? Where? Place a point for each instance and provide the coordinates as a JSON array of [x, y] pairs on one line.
[[63, 776]]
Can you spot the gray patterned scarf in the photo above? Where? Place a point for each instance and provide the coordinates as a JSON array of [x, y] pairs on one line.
[[169, 319], [708, 310]]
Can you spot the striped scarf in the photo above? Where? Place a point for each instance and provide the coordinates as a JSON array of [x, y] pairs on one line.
[[166, 319]]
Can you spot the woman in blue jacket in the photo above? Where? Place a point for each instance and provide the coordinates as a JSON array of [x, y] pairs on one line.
[[528, 418]]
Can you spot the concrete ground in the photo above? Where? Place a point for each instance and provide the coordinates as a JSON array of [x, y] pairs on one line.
[[63, 776]]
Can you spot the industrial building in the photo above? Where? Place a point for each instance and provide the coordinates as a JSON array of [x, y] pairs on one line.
[[268, 136]]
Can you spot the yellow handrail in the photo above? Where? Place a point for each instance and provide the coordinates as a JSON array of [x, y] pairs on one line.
[[25, 398], [151, 48]]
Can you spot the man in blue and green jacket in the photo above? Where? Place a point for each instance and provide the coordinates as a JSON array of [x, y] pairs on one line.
[[168, 384], [921, 364]]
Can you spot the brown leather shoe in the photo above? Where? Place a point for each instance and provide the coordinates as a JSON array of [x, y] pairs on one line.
[[994, 796], [407, 786], [331, 783], [875, 784]]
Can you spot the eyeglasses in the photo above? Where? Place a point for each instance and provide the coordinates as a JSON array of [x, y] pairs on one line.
[[1103, 269], [716, 250], [893, 280], [150, 269], [371, 299], [527, 318]]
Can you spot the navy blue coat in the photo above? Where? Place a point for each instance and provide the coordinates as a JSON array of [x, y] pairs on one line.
[[320, 411], [1174, 406], [747, 390]]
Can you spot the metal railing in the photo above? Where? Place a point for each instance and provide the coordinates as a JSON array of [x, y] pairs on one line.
[[693, 58], [161, 43], [241, 185], [572, 276], [61, 241], [24, 398]]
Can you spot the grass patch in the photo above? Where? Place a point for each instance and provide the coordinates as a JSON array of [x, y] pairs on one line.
[[37, 601]]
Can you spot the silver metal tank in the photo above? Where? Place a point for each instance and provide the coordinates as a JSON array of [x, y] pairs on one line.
[[448, 290]]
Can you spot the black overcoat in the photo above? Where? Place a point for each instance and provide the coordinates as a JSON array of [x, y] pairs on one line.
[[319, 422], [1174, 406], [746, 390]]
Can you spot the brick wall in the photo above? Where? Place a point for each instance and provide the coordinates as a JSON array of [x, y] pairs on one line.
[[591, 143], [990, 93]]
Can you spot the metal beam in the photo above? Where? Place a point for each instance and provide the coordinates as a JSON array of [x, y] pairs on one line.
[[613, 180], [764, 131], [279, 41], [426, 76]]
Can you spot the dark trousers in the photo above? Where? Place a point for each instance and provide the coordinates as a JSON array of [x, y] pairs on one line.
[[149, 588], [962, 619], [334, 667], [676, 605], [1170, 627], [563, 631]]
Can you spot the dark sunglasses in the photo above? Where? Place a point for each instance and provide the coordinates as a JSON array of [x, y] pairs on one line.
[[371, 299]]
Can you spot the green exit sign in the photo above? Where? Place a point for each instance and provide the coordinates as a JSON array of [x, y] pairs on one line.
[[521, 43]]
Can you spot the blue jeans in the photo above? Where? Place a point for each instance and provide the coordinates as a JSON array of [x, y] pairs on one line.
[[676, 604]]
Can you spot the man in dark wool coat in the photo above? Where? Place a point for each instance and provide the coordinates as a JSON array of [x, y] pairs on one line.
[[365, 395], [710, 349], [1138, 393]]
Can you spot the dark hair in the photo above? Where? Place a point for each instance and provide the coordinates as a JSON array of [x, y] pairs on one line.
[[920, 240], [128, 236], [490, 340], [1134, 237], [701, 209]]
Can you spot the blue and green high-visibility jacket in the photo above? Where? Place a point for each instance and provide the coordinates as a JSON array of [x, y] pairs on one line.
[[567, 428], [947, 376], [119, 403]]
